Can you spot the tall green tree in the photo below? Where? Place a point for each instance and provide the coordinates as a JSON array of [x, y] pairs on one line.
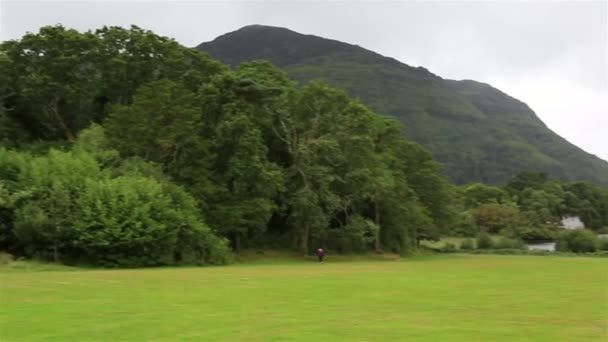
[[62, 80], [305, 127], [53, 80]]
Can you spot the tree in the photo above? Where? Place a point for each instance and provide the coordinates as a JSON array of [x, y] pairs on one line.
[[164, 125], [367, 176], [44, 224], [525, 180], [588, 201], [236, 120], [130, 58], [63, 80], [244, 203], [495, 217], [477, 194], [54, 80], [543, 206], [305, 130]]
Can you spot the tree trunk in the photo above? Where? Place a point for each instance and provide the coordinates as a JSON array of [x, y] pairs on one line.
[[295, 241], [55, 251], [52, 112], [237, 241], [377, 220], [304, 239]]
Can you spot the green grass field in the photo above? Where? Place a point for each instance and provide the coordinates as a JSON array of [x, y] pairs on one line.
[[435, 298]]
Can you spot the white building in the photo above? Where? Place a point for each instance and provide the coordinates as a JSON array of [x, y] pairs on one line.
[[572, 222]]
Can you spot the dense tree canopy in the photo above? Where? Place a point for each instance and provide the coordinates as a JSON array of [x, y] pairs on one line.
[[265, 161], [122, 148]]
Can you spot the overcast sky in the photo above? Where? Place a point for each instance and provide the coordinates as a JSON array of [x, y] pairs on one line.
[[551, 55]]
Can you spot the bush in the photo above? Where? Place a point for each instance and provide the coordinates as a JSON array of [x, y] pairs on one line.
[[77, 213], [603, 245], [449, 248], [467, 244], [506, 243], [465, 225], [6, 258], [484, 241], [134, 221], [578, 241], [543, 233]]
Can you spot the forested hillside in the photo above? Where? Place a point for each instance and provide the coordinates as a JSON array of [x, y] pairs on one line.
[[120, 147], [479, 133]]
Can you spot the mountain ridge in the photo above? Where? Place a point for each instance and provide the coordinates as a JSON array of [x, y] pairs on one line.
[[477, 131]]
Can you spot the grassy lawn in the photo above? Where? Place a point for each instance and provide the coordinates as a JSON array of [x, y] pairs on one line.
[[436, 298]]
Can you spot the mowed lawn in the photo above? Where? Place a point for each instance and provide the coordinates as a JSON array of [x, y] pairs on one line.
[[438, 298]]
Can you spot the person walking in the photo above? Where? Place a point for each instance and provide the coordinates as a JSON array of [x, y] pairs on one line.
[[320, 254]]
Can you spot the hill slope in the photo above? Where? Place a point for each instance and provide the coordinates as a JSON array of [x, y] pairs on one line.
[[475, 130]]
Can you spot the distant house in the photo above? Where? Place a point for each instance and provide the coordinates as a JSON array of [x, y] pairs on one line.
[[571, 222]]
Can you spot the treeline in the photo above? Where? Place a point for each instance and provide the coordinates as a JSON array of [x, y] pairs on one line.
[[123, 148], [530, 207]]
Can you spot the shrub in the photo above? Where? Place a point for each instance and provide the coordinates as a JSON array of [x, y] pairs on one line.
[[6, 258], [484, 241], [465, 225], [134, 221], [603, 245], [467, 244], [449, 248], [543, 233], [578, 241], [506, 243]]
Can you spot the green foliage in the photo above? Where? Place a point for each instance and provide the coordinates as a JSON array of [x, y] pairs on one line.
[[538, 233], [527, 180], [467, 244], [465, 225], [603, 244], [72, 210], [495, 218], [355, 237], [136, 221], [588, 201], [449, 248], [506, 243], [578, 241], [62, 80], [147, 151], [163, 120], [259, 155], [484, 241], [477, 194]]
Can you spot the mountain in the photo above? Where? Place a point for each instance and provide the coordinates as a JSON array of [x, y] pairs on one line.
[[478, 132]]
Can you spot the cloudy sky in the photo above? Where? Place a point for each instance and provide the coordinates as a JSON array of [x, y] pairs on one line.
[[551, 55]]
